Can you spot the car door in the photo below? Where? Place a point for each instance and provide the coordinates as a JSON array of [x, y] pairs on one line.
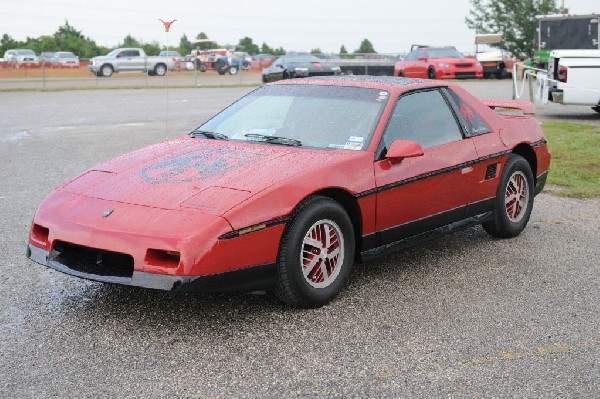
[[418, 194]]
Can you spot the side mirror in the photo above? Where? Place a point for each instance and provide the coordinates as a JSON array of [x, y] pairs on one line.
[[401, 149]]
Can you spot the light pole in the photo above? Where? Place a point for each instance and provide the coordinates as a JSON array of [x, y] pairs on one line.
[[167, 26]]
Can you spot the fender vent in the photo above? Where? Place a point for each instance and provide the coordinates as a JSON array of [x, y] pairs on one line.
[[490, 173]]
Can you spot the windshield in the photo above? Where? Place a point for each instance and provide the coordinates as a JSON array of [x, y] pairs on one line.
[[444, 53], [25, 52], [336, 117], [113, 53], [302, 58]]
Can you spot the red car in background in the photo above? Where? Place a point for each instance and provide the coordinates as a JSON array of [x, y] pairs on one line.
[[289, 186], [438, 63]]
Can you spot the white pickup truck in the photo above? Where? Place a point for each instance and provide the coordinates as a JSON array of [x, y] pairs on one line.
[[130, 60], [574, 77]]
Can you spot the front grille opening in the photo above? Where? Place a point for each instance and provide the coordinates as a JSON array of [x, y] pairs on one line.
[[39, 235], [92, 261], [158, 257]]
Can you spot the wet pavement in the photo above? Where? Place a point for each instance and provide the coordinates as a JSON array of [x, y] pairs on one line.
[[465, 316]]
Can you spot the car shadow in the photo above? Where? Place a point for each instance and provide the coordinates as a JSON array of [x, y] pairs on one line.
[[369, 284]]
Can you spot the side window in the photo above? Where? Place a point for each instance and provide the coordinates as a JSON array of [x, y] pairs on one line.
[[421, 53], [423, 117], [411, 56], [472, 122]]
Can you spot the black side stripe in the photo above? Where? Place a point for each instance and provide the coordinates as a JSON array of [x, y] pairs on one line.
[[404, 182], [254, 227]]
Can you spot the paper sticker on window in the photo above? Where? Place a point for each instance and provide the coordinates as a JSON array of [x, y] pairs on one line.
[[356, 139]]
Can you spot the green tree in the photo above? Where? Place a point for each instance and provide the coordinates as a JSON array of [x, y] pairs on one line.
[[316, 51], [365, 47], [7, 43], [185, 46], [265, 49], [279, 51], [514, 19], [204, 45], [248, 46], [130, 41]]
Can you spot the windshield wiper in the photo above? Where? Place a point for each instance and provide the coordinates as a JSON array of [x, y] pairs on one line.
[[273, 139], [208, 135]]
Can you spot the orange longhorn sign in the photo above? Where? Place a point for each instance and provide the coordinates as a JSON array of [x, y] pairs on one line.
[[167, 24]]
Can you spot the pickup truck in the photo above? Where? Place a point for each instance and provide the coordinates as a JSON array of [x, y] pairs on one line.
[[130, 60], [574, 77]]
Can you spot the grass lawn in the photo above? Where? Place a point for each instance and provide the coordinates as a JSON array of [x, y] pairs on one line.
[[575, 163]]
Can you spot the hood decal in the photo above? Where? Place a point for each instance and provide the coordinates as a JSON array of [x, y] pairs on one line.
[[198, 164]]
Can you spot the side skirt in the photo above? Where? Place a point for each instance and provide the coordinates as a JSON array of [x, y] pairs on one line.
[[417, 239]]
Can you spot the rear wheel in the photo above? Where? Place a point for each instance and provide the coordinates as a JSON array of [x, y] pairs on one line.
[[514, 199], [316, 254], [160, 70]]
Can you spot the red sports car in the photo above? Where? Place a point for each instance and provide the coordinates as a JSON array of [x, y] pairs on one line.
[[289, 186], [438, 63]]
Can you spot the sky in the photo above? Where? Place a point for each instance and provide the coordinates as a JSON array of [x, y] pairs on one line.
[[298, 25]]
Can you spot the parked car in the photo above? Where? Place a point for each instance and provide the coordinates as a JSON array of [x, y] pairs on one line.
[[64, 59], [574, 77], [174, 56], [46, 56], [298, 66], [22, 57], [287, 187], [130, 60], [496, 63], [437, 63], [10, 56], [262, 61]]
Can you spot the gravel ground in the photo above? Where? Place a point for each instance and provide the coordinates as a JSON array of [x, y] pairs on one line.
[[463, 316]]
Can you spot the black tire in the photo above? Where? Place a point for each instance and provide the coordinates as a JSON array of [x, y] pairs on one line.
[[431, 73], [106, 70], [400, 74], [509, 219], [222, 71], [151, 73], [264, 79], [596, 108], [316, 214], [160, 70], [286, 74], [501, 74], [202, 68]]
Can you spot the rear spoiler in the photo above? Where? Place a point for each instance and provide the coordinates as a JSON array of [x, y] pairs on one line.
[[526, 107]]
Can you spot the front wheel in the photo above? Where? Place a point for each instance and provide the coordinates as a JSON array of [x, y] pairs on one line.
[[106, 71], [514, 199], [233, 70], [431, 73], [316, 254]]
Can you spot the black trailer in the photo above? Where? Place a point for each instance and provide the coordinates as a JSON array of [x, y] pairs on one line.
[[562, 32]]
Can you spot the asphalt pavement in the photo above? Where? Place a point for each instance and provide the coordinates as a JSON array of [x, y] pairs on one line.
[[463, 316]]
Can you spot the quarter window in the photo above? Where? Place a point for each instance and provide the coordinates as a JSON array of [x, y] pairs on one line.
[[472, 122], [423, 117]]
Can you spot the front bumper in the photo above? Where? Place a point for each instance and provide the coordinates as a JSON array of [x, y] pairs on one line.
[[246, 279]]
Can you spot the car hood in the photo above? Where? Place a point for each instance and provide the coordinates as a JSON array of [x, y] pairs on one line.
[[209, 175]]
